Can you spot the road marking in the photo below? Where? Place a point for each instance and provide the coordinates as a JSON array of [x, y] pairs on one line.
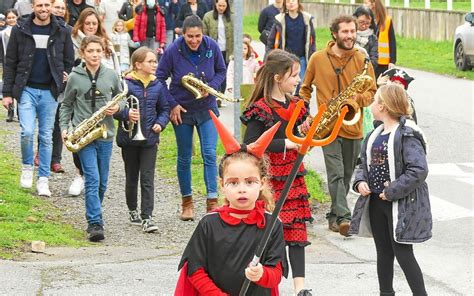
[[443, 210], [449, 169]]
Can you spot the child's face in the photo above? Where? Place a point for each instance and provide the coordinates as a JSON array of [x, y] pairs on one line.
[[92, 54], [91, 25], [11, 19], [245, 50], [376, 107], [363, 23], [290, 80], [148, 66], [241, 184], [119, 27]]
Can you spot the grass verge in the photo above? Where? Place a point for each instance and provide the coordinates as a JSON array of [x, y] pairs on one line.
[[431, 56], [25, 218], [166, 166]]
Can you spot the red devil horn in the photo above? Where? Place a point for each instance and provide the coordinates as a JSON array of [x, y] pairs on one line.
[[231, 145], [258, 147]]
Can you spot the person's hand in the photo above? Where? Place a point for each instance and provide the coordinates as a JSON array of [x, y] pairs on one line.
[[112, 109], [175, 115], [64, 135], [133, 115], [304, 127], [363, 188], [137, 44], [156, 128], [254, 273], [204, 93], [391, 66], [382, 196], [65, 76], [175, 1], [7, 101], [291, 145], [178, 31]]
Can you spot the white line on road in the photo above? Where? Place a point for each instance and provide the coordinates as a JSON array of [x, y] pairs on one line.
[[443, 210]]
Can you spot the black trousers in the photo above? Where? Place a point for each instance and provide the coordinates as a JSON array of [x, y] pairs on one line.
[[140, 163], [57, 140], [381, 221]]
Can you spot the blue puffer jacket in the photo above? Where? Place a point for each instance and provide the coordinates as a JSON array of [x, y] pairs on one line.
[[407, 191], [154, 108], [175, 63]]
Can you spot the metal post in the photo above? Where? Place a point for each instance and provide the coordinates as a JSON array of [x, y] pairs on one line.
[[238, 61], [427, 4], [406, 3], [450, 5]]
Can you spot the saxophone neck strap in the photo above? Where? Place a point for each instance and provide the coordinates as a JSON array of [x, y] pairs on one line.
[[338, 70], [93, 79]]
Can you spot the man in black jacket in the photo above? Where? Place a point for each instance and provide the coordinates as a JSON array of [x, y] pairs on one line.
[[39, 56], [267, 18]]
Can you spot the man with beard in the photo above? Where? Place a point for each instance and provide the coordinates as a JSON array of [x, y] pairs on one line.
[[331, 70], [39, 55]]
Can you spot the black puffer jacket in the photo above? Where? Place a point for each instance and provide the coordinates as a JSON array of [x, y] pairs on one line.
[[21, 50], [407, 191]]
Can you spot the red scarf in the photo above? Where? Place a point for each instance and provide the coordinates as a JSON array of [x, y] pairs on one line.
[[255, 216], [285, 114]]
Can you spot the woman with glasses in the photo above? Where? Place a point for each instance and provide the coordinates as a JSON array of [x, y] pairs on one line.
[[366, 37]]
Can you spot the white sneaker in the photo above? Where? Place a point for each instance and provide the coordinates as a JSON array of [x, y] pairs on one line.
[[77, 186], [42, 187], [26, 179]]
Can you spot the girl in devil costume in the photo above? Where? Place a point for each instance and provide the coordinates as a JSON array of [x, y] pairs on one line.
[[270, 103], [223, 244]]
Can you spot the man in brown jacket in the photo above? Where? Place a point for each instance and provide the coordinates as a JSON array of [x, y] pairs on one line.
[[331, 70]]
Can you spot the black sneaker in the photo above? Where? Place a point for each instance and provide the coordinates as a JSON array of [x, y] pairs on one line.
[[96, 232], [135, 218], [148, 226], [304, 292]]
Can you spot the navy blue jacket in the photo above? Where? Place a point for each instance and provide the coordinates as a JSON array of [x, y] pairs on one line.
[[176, 63], [170, 10], [21, 50], [153, 109]]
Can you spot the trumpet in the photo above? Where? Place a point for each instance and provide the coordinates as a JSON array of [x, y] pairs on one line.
[[196, 85], [133, 103]]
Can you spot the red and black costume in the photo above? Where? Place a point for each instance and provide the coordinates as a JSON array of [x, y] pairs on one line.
[[258, 118], [221, 248]]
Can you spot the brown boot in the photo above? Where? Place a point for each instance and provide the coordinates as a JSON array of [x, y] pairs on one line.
[[211, 204], [187, 212]]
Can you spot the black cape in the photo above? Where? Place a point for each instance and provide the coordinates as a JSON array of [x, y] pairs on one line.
[[224, 251]]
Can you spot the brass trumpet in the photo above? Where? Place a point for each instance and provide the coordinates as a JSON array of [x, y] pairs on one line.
[[196, 85], [133, 103]]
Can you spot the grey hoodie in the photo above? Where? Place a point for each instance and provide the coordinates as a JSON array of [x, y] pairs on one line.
[[76, 105]]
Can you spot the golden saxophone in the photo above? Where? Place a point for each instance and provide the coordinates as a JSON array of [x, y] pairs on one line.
[[196, 85], [359, 85], [90, 129]]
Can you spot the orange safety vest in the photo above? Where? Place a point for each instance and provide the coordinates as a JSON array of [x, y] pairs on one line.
[[384, 44]]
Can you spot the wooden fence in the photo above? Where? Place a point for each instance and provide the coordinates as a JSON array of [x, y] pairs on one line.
[[435, 25]]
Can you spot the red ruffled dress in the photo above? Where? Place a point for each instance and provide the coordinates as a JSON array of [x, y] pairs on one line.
[[296, 210]]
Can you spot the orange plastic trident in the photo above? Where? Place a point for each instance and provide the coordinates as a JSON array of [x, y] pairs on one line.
[[308, 141], [305, 143]]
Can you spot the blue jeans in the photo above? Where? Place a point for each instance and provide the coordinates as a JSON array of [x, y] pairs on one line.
[[302, 72], [208, 139], [37, 103], [95, 160]]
